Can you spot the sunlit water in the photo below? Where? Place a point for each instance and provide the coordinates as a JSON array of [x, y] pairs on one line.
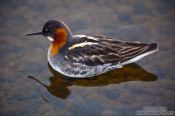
[[29, 86]]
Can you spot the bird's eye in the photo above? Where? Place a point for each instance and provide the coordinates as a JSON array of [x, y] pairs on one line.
[[46, 30]]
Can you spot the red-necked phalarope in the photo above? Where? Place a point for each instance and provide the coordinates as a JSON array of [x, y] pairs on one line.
[[82, 56]]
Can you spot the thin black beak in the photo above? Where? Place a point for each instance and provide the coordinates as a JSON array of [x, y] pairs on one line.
[[38, 33]]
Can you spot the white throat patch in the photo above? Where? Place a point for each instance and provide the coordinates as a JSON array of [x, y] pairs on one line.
[[50, 38]]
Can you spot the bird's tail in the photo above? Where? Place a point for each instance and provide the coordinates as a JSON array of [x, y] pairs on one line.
[[152, 47]]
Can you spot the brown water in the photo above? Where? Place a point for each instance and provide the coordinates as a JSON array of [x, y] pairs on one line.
[[30, 87]]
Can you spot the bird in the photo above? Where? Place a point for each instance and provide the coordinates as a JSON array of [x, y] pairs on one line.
[[89, 55]]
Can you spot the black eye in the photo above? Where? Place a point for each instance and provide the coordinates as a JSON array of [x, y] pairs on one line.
[[46, 29]]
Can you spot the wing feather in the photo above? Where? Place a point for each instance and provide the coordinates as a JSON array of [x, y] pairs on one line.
[[107, 50]]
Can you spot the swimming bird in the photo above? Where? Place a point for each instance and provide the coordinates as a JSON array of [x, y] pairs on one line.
[[81, 56]]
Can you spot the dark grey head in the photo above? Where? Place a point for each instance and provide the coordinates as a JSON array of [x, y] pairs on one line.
[[50, 27]]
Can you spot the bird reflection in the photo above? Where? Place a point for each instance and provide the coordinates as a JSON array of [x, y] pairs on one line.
[[59, 84]]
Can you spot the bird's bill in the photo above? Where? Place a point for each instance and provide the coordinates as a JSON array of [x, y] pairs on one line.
[[38, 33]]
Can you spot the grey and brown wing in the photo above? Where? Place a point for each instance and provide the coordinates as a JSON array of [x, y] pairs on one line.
[[105, 50]]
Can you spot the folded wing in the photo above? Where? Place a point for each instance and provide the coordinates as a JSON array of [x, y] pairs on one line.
[[99, 50]]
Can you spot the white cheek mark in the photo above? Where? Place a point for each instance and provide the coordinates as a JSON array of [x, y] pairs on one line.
[[50, 38]]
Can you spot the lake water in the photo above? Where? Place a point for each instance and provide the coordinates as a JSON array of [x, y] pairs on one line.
[[30, 87]]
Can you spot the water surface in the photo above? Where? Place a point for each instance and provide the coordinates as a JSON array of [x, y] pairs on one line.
[[29, 86]]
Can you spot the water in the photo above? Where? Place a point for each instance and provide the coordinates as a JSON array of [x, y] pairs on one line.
[[29, 86]]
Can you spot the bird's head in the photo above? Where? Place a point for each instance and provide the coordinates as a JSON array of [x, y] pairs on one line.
[[53, 30], [57, 32]]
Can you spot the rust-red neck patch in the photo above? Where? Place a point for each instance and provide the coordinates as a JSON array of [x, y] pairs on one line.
[[59, 41]]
